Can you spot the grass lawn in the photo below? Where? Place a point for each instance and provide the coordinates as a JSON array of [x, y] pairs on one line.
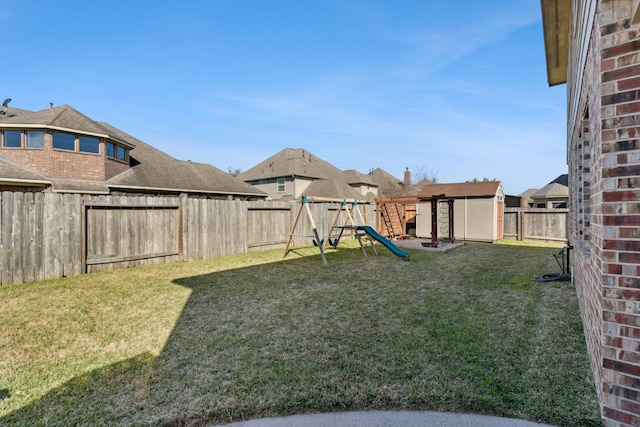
[[253, 335]]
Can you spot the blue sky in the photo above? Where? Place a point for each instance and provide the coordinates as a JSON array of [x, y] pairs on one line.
[[455, 89]]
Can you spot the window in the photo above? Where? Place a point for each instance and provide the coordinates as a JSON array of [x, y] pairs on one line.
[[280, 185], [122, 153], [64, 141], [117, 152], [11, 139], [35, 139], [89, 144], [111, 150]]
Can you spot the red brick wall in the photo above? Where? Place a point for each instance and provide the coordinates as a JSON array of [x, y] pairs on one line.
[[114, 167], [62, 163], [605, 202]]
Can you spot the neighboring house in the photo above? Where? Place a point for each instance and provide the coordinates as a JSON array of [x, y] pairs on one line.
[[293, 173], [553, 195], [525, 198], [593, 46], [390, 186], [478, 210], [62, 150]]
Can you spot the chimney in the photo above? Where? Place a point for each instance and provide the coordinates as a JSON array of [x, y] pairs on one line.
[[407, 178]]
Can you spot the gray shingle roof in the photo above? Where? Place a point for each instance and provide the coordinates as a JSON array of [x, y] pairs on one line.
[[352, 177], [153, 169], [292, 162], [333, 189], [551, 190], [63, 117], [150, 168], [10, 170]]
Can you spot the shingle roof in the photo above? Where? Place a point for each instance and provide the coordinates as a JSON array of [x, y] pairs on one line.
[[292, 162], [332, 189], [463, 189], [150, 168], [352, 177], [63, 117], [85, 186], [562, 180], [390, 186], [551, 190], [10, 171], [153, 169]]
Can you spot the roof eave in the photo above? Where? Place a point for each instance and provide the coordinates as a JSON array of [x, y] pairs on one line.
[[555, 25], [183, 190], [64, 129]]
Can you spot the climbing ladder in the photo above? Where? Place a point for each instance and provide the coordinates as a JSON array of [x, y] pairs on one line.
[[391, 219]]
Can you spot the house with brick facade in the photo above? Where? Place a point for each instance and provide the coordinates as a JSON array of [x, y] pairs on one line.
[[61, 150], [593, 46]]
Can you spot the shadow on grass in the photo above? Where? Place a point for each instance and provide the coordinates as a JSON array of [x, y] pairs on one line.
[[208, 370], [296, 336]]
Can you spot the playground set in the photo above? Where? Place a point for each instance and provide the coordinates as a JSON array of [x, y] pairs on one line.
[[337, 231]]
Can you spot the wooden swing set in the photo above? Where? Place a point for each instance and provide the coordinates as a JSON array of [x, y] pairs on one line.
[[336, 230]]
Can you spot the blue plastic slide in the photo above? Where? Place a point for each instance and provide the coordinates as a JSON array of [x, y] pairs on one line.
[[393, 248]]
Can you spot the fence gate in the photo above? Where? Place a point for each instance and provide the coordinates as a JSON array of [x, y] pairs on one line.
[[118, 234]]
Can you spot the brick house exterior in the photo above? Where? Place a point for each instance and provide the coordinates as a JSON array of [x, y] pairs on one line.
[[594, 47], [60, 149]]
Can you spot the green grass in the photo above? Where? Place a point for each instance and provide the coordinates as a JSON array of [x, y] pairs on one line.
[[253, 335]]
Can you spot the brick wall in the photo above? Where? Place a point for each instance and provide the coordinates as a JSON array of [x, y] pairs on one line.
[[65, 164], [604, 174]]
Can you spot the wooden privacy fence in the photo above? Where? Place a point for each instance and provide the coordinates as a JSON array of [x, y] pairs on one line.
[[46, 235], [535, 224]]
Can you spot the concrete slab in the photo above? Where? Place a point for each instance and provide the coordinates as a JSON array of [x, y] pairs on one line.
[[387, 419], [417, 244]]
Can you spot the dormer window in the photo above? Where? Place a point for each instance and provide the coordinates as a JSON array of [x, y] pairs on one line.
[[117, 152]]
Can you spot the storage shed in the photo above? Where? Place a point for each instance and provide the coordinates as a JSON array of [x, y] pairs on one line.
[[478, 210]]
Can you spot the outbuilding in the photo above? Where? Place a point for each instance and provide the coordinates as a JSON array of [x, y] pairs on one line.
[[463, 211]]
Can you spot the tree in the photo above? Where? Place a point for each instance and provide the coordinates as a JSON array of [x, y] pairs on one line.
[[424, 173], [235, 171], [483, 180]]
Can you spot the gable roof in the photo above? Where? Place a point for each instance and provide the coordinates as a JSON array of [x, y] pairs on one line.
[[292, 162], [63, 118], [462, 189]]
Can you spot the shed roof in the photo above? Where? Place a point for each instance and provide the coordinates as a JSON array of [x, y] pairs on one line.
[[462, 189]]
